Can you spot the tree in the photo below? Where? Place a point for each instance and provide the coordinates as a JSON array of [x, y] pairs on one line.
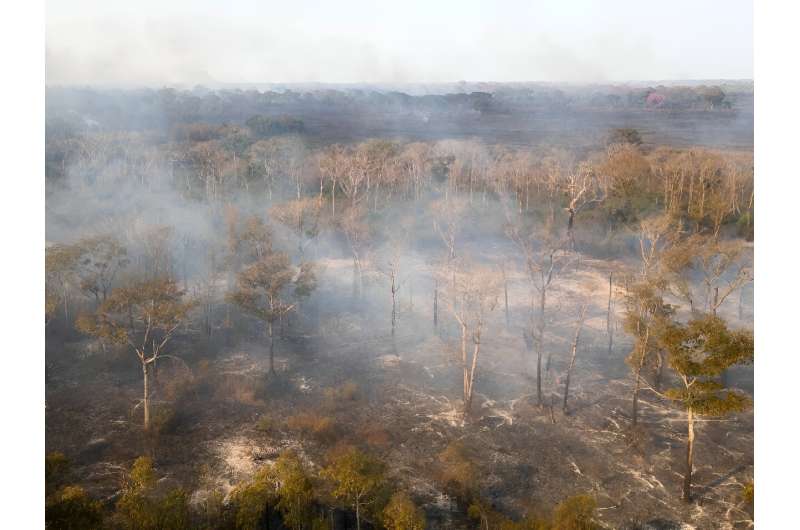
[[261, 291], [295, 491], [624, 135], [402, 514], [545, 261], [698, 353], [72, 509], [357, 479], [581, 318], [101, 258], [302, 217], [144, 316], [251, 499], [61, 262], [391, 264], [582, 190], [471, 296], [719, 262], [139, 507], [576, 513], [645, 311], [357, 232]]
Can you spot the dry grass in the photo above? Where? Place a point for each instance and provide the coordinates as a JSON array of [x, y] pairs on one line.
[[310, 424]]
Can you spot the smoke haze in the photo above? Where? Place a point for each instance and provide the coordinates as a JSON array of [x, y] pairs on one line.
[[148, 43]]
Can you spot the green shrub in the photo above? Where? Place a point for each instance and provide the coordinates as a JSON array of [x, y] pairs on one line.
[[402, 514], [576, 513], [71, 508], [56, 470], [264, 424], [250, 500], [295, 491]]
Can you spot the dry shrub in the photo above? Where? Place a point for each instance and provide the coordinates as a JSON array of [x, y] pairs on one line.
[[347, 391], [239, 388], [320, 427], [175, 384], [265, 424], [375, 436], [163, 419], [458, 472]]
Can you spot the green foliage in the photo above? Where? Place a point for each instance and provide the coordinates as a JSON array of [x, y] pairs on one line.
[[357, 477], [295, 490], [749, 493], [576, 513], [699, 352], [56, 469], [142, 477], [260, 287], [402, 514], [139, 510], [145, 306], [264, 424], [705, 347], [251, 499], [745, 226], [72, 509]]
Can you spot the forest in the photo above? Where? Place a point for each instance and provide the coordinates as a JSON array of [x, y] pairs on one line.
[[475, 306]]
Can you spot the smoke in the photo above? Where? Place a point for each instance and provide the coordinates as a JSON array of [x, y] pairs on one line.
[[346, 42]]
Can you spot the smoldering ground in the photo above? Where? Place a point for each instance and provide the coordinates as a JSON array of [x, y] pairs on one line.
[[350, 369]]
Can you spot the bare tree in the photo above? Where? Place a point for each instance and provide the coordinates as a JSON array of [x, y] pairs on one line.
[[470, 298], [357, 232], [582, 190], [302, 216], [391, 266], [544, 262], [584, 304]]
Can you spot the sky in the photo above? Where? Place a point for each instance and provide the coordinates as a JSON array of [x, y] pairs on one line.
[[176, 42]]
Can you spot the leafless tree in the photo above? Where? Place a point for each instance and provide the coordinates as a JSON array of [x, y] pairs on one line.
[[584, 304], [544, 261], [470, 298]]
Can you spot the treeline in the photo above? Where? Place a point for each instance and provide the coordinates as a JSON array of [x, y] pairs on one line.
[[116, 110], [352, 490], [703, 188]]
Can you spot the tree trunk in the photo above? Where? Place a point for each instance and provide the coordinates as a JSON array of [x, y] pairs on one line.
[[358, 516], [638, 376], [687, 479], [609, 323], [572, 360], [505, 292], [469, 393], [540, 346], [146, 399], [436, 303], [271, 348], [394, 307], [570, 233]]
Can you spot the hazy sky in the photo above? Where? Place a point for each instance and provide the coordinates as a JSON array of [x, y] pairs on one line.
[[151, 42]]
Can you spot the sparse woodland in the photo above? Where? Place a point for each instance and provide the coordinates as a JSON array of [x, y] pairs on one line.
[[253, 325]]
